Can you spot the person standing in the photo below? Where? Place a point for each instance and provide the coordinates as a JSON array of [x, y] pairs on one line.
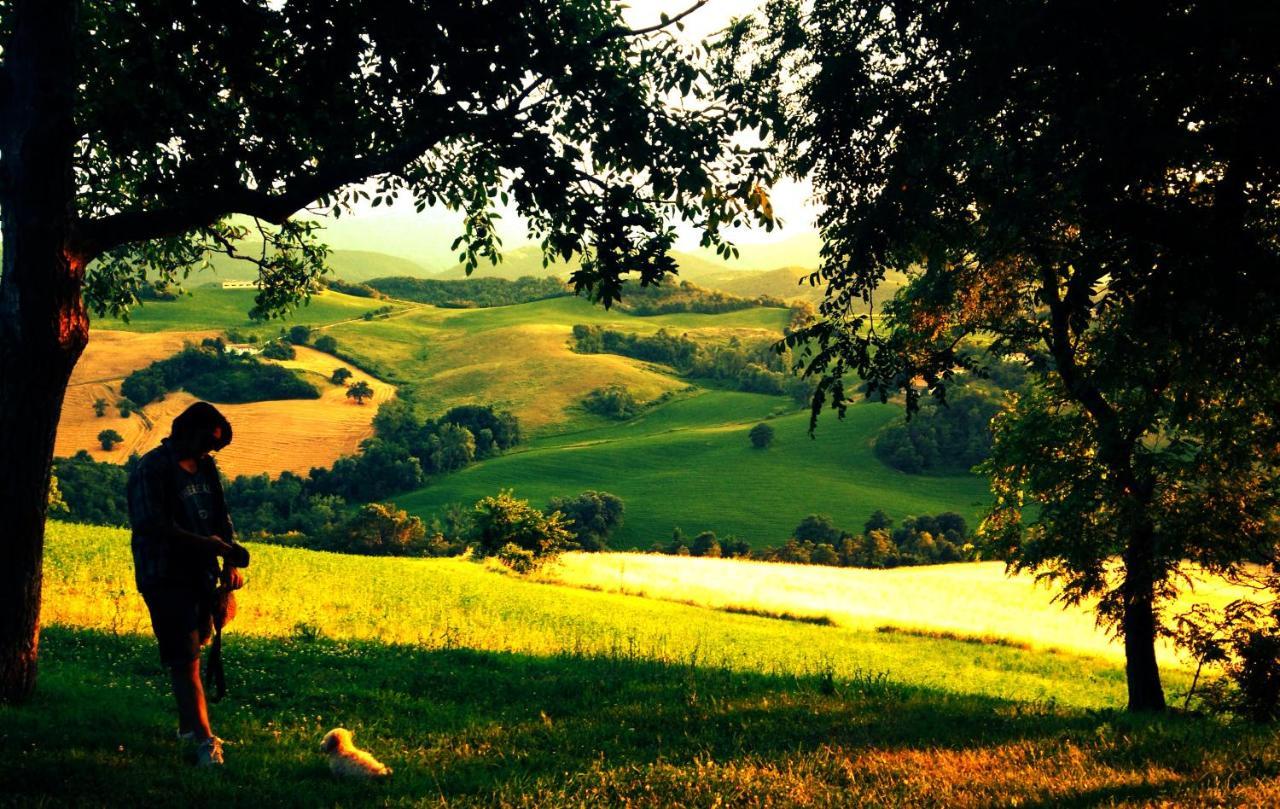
[[181, 528]]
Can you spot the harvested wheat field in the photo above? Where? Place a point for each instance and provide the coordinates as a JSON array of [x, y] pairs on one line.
[[270, 437]]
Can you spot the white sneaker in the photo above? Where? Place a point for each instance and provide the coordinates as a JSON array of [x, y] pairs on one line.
[[209, 754]]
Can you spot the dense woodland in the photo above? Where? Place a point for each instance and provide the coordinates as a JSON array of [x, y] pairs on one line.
[[211, 372]]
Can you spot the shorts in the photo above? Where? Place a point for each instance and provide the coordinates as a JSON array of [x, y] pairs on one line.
[[180, 621]]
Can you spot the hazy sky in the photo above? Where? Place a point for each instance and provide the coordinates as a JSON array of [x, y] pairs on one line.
[[425, 237]]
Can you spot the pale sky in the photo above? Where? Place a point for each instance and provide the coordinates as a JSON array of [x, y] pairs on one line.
[[425, 237]]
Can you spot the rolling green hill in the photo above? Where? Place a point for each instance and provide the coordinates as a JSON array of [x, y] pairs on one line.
[[519, 357], [482, 689], [686, 462], [689, 464]]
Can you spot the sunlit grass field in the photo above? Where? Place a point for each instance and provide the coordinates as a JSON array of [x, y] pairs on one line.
[[690, 464], [483, 689], [976, 601]]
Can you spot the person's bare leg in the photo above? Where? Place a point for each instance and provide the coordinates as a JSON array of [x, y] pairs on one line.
[[193, 713]]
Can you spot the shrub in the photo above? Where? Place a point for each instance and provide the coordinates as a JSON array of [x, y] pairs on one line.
[[99, 407], [380, 529], [761, 436], [109, 438], [705, 544], [517, 558], [591, 516], [126, 408], [612, 401], [145, 385], [502, 520], [278, 350], [451, 448], [817, 528], [1243, 642], [326, 343], [299, 334], [340, 376]]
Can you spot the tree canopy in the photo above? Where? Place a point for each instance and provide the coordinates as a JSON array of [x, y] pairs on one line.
[[1084, 188], [137, 137]]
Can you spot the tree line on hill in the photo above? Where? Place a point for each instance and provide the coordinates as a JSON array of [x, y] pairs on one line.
[[925, 540], [315, 509], [753, 367], [471, 293], [688, 297], [209, 371]]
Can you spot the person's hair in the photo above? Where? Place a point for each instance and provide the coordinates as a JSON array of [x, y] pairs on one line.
[[193, 429]]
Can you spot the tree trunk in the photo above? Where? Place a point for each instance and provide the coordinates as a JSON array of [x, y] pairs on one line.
[[1139, 624], [43, 325]]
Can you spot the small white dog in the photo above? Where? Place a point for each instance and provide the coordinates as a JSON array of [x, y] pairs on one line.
[[349, 761]]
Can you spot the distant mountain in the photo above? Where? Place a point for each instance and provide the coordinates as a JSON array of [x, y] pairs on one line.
[[527, 260], [788, 283], [349, 265]]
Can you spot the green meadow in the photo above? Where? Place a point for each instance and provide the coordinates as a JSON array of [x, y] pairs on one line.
[[690, 464], [483, 689]]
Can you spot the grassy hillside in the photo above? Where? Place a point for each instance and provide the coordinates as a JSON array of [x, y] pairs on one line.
[[213, 308], [518, 357], [480, 689], [691, 465]]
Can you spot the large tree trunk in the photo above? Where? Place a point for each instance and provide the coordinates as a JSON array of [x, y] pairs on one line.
[[43, 325], [1139, 623]]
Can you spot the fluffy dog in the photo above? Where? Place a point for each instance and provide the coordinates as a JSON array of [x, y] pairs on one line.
[[349, 761]]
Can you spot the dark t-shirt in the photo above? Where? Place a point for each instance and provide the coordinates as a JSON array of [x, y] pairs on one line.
[[162, 495]]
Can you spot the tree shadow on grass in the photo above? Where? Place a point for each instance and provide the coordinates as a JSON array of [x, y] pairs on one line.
[[468, 726]]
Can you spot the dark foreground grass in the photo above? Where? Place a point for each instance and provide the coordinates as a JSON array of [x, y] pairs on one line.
[[463, 727]]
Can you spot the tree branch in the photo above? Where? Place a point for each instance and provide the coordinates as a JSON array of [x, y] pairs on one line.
[[204, 207], [618, 33]]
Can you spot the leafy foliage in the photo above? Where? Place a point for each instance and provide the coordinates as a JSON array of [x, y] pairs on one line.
[[378, 529], [941, 437], [1093, 200], [278, 350], [502, 520], [558, 109], [92, 492], [612, 401], [761, 436], [591, 517], [359, 391]]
